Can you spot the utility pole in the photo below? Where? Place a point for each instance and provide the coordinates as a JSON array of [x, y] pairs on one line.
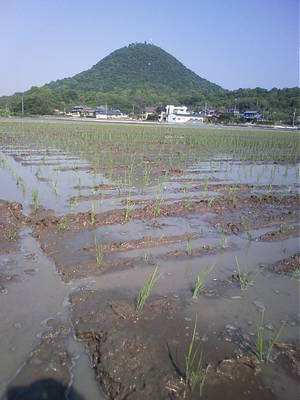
[[22, 105], [132, 109], [294, 116]]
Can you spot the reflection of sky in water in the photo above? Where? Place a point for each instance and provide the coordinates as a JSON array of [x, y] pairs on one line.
[[54, 187], [260, 174], [57, 181]]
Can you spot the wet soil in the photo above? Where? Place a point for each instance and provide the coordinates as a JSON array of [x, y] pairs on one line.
[[11, 219], [184, 216], [284, 231], [290, 265], [127, 356], [46, 373], [55, 234], [141, 355], [291, 356]]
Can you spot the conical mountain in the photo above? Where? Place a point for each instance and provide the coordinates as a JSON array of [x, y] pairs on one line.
[[142, 74], [138, 66]]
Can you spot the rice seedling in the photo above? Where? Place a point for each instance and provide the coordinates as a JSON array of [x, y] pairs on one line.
[[273, 340], [243, 276], [146, 177], [284, 228], [205, 187], [232, 193], [79, 183], [127, 208], [224, 240], [249, 234], [54, 185], [146, 256], [34, 195], [63, 223], [92, 213], [189, 245], [119, 185], [259, 333], [296, 273], [265, 356], [99, 253], [19, 180], [200, 282], [281, 196], [195, 374], [157, 208], [146, 290], [188, 204], [11, 234]]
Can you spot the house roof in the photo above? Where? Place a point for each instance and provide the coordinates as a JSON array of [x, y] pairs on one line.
[[149, 109]]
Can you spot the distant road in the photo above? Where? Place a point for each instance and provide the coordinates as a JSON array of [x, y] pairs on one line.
[[49, 118]]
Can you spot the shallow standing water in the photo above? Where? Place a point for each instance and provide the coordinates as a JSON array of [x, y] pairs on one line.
[[184, 215]]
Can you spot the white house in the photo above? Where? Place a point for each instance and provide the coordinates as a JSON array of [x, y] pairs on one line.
[[175, 114], [105, 113]]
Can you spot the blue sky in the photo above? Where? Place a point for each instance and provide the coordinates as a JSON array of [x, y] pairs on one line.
[[234, 43]]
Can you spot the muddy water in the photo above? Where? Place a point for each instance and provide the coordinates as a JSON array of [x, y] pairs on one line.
[[58, 179], [36, 295], [231, 310], [54, 187], [236, 172], [227, 316]]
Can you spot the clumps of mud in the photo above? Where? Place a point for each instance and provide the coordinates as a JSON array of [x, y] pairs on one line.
[[128, 350], [244, 215], [287, 266], [256, 215], [11, 220], [283, 232], [247, 219], [236, 378], [290, 353], [203, 250], [141, 355]]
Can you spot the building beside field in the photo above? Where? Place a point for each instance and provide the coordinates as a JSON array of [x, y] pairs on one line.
[[82, 111], [147, 113], [180, 114], [252, 115], [77, 111], [103, 112]]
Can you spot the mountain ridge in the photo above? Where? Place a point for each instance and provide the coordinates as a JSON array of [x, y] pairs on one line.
[[145, 75]]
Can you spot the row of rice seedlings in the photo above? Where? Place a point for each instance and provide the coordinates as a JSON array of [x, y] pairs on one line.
[[35, 200], [247, 147], [146, 290], [200, 282], [195, 374], [265, 355], [243, 276], [86, 141]]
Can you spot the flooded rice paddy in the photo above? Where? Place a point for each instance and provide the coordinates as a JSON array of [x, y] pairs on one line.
[[90, 212]]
